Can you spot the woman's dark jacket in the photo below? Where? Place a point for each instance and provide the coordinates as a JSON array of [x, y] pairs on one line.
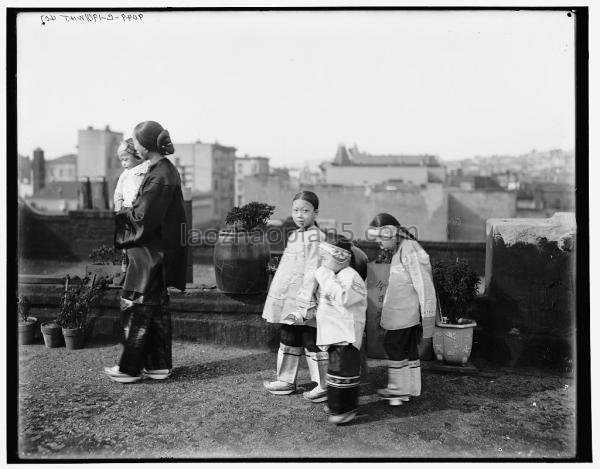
[[156, 220]]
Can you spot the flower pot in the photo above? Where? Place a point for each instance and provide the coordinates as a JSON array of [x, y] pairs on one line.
[[27, 331], [52, 334], [240, 261], [73, 337], [452, 343]]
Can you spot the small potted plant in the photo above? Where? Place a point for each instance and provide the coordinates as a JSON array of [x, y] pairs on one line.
[[106, 263], [456, 286], [52, 334], [75, 305], [26, 324], [242, 251]]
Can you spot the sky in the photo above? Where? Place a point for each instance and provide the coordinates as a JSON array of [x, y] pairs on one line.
[[294, 85]]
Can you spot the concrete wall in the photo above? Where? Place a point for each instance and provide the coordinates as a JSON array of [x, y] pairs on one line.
[[531, 286], [469, 210], [63, 237], [363, 175], [354, 208], [202, 210], [55, 205]]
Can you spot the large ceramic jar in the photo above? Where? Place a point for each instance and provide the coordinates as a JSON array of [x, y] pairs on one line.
[[240, 260]]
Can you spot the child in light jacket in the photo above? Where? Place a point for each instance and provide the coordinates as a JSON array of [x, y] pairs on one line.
[[129, 182], [341, 314], [409, 307], [291, 302]]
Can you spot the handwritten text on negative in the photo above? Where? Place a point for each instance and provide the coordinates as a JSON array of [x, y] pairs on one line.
[[92, 17]]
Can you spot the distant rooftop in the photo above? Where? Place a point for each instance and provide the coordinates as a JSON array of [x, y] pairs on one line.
[[59, 190], [247, 157], [354, 157], [70, 158]]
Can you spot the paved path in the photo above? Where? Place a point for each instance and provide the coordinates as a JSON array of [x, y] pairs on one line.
[[215, 406]]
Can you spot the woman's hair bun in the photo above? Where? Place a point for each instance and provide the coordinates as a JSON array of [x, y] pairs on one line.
[[164, 143]]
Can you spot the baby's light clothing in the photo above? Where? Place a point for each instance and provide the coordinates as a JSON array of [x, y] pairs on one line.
[[128, 185]]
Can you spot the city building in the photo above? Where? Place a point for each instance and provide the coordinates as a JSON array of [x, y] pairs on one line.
[[544, 199], [97, 155], [353, 167], [63, 168], [56, 197], [208, 167], [25, 175], [248, 166]]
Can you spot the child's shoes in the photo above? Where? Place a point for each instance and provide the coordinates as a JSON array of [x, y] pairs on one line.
[[339, 419], [279, 387], [316, 394], [392, 398]]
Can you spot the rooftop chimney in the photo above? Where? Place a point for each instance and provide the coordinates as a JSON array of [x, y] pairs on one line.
[[39, 170]]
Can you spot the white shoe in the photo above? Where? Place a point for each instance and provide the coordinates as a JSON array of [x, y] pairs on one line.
[[316, 394], [115, 374], [279, 387], [157, 374], [394, 399], [342, 418]]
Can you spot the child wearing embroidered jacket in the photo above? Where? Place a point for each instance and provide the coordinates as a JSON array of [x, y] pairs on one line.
[[409, 304], [291, 302], [341, 316], [129, 182]]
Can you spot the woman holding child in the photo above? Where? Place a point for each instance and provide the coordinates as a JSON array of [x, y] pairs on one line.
[[150, 230]]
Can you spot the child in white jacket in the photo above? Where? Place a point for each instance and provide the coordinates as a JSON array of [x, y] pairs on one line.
[[341, 313], [409, 307], [291, 302]]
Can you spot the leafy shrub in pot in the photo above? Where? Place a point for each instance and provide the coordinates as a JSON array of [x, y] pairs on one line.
[[242, 251], [26, 325], [75, 306], [456, 286]]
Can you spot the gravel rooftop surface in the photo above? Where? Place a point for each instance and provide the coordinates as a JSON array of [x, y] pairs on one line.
[[214, 406]]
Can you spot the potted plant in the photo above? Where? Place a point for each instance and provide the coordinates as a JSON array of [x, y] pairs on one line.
[[52, 334], [75, 305], [456, 286], [26, 324], [242, 251], [106, 263]]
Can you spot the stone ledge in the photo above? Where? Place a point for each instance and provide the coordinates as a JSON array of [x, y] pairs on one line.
[[214, 317], [193, 300]]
